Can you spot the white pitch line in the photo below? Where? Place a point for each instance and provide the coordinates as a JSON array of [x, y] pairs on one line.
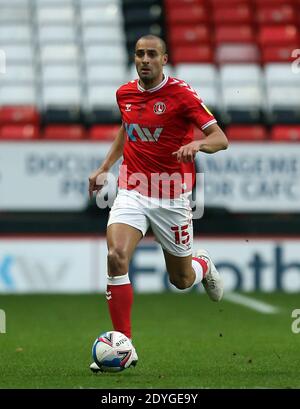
[[251, 303]]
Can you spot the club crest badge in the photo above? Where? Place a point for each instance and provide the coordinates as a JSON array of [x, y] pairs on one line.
[[159, 108]]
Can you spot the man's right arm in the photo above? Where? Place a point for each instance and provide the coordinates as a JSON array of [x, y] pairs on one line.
[[115, 152]]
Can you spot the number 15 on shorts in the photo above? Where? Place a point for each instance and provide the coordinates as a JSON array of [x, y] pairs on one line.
[[181, 234]]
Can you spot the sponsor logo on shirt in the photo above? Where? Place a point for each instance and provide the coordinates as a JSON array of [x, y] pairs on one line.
[[136, 131]]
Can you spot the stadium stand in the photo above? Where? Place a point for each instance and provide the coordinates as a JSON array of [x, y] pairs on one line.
[[19, 132], [103, 132], [64, 132], [285, 133], [20, 115], [65, 60], [142, 18], [248, 43], [246, 133]]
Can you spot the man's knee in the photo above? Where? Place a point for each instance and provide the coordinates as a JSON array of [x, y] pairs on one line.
[[117, 261]]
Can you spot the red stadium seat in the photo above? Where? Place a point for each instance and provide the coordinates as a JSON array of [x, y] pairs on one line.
[[188, 34], [183, 3], [271, 3], [246, 133], [278, 53], [285, 133], [192, 54], [62, 132], [19, 132], [187, 15], [104, 132], [231, 34], [19, 114], [240, 14], [237, 53], [278, 35], [276, 14], [229, 3]]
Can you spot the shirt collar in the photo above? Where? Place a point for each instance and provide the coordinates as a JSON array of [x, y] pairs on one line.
[[159, 86]]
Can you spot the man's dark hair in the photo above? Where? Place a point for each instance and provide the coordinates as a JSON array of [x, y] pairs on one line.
[[154, 37]]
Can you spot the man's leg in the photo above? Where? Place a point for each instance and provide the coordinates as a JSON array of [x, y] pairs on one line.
[[122, 240], [184, 272]]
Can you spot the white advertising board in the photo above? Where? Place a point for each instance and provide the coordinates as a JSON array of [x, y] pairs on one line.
[[253, 177], [261, 177], [79, 265], [47, 175], [49, 265]]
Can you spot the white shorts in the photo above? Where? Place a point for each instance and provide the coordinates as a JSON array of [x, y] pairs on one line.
[[170, 219]]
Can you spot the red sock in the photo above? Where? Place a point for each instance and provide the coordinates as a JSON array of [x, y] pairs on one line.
[[120, 299], [203, 264]]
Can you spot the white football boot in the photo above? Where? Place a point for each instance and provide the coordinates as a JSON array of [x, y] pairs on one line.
[[135, 358], [212, 282], [95, 368]]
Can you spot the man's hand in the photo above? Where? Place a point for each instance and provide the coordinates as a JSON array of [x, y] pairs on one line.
[[96, 181], [187, 152]]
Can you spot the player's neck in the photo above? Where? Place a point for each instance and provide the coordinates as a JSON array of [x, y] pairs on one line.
[[152, 84]]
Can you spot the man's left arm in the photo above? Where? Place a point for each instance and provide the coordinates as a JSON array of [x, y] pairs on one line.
[[215, 140]]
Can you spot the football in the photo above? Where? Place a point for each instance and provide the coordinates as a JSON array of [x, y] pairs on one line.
[[113, 352]]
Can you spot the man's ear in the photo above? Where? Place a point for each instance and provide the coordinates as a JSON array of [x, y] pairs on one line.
[[165, 60]]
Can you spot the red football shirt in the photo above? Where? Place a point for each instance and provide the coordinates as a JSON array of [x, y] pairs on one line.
[[159, 121]]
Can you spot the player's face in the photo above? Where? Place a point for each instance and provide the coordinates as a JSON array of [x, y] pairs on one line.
[[149, 60]]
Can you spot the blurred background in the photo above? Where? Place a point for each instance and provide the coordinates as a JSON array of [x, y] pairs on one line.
[[61, 62]]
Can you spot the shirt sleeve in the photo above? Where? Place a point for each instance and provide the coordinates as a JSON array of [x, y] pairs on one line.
[[195, 109]]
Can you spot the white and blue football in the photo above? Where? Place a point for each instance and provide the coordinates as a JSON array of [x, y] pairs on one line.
[[113, 352]]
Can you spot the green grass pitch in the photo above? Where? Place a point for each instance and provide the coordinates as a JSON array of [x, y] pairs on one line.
[[183, 341]]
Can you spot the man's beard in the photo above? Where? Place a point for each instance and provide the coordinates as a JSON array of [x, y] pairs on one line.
[[146, 78]]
